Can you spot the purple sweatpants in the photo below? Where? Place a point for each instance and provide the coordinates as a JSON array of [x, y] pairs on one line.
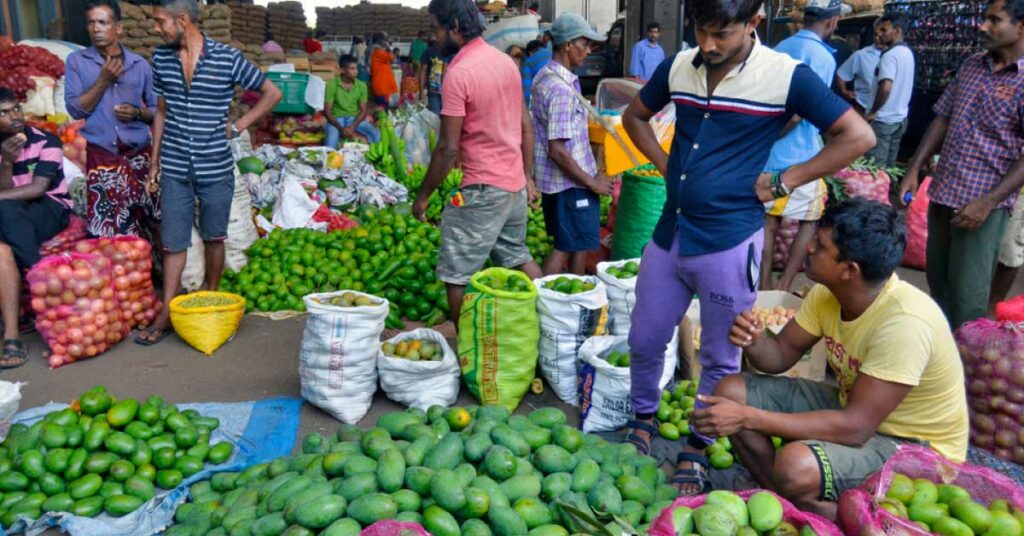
[[726, 284]]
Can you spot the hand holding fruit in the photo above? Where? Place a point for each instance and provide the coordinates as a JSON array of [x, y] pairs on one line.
[[419, 207], [720, 418], [746, 329], [153, 182], [11, 148], [126, 112]]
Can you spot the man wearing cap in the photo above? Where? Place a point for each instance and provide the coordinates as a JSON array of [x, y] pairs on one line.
[[733, 97], [566, 172], [894, 85], [801, 140]]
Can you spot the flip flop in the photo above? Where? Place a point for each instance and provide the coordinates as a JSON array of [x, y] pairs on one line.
[[643, 447], [14, 350], [150, 342], [696, 475]]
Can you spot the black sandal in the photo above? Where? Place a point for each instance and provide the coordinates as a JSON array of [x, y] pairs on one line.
[[15, 354], [642, 447], [697, 475]]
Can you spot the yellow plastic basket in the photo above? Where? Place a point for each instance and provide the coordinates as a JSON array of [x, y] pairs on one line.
[[207, 328]]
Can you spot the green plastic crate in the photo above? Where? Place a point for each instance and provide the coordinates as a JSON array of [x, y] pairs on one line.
[[293, 91]]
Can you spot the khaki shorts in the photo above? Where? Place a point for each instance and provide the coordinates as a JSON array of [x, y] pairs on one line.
[[1011, 250], [490, 223], [842, 468]]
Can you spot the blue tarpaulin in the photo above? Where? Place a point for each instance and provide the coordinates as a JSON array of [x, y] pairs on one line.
[[261, 431]]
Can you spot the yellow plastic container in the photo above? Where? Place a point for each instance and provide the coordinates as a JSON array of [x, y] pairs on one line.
[[207, 328], [615, 158]]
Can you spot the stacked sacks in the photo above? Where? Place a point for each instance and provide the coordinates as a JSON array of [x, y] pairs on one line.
[[362, 18], [140, 33], [249, 26], [287, 23], [215, 21]]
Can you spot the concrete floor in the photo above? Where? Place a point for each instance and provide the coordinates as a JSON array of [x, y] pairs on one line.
[[261, 362]]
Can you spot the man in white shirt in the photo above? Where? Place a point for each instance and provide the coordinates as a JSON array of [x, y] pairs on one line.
[[895, 76], [859, 68]]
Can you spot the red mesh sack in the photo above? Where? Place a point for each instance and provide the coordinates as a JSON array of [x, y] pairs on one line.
[[132, 268], [76, 306], [390, 527], [917, 228], [993, 357], [866, 184], [1011, 310], [65, 240], [784, 237], [859, 512], [662, 525]]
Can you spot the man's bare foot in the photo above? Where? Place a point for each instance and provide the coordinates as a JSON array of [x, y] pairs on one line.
[[157, 331], [691, 477], [640, 432]]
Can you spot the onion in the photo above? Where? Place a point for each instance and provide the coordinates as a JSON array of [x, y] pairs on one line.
[[984, 424], [977, 387], [984, 441]]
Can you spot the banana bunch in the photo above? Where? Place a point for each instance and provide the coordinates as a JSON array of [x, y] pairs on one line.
[[441, 196]]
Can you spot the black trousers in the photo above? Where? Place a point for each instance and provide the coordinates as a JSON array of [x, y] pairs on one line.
[[25, 225]]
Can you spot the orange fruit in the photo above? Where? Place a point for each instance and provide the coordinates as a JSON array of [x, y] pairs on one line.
[[458, 418]]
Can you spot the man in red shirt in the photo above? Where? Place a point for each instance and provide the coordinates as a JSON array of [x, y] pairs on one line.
[[312, 45]]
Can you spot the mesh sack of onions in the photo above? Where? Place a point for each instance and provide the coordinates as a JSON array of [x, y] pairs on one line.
[[131, 272], [76, 306], [993, 356]]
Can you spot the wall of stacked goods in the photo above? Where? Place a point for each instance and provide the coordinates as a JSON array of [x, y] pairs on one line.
[[249, 29], [141, 35], [287, 22], [360, 19]]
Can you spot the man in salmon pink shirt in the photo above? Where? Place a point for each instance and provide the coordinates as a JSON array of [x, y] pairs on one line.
[[485, 123]]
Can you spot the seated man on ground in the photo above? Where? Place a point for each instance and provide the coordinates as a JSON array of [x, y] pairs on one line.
[[899, 374], [34, 206], [345, 105]]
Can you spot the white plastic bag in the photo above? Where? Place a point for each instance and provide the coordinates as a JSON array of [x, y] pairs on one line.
[[566, 321], [294, 208], [241, 230], [604, 399], [414, 129], [338, 359], [194, 275], [10, 398], [420, 384], [39, 101], [510, 31], [621, 296]]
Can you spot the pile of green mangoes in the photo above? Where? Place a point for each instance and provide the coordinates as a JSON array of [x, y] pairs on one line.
[[725, 512], [391, 255], [414, 350], [538, 240], [347, 299], [569, 285], [949, 510], [627, 271], [102, 455], [617, 359], [511, 284], [472, 471]]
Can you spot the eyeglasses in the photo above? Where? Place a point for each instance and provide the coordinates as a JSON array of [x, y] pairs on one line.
[[16, 109]]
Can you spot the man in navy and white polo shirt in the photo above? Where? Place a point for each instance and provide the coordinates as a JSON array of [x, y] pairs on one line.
[[194, 80], [733, 97]]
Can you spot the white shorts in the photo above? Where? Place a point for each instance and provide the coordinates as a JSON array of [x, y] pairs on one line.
[[806, 203]]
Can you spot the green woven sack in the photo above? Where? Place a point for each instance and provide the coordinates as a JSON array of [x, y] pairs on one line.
[[498, 336], [640, 203]]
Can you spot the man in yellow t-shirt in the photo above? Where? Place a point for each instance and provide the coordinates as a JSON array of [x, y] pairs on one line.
[[899, 375]]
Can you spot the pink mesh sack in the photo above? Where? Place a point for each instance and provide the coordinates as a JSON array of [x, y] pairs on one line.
[[390, 527], [132, 266], [662, 525], [866, 184], [76, 307], [859, 513], [993, 357], [917, 229]]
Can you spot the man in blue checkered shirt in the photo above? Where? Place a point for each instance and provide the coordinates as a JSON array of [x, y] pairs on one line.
[[979, 126], [194, 80], [566, 171]]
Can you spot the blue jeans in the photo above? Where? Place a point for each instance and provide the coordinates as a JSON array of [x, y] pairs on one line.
[[366, 129], [434, 102]]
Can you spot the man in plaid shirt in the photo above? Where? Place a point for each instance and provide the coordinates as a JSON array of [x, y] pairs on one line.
[[566, 171], [979, 126]]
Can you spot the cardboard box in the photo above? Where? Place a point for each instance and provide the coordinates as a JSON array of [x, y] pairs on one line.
[[812, 366], [300, 63]]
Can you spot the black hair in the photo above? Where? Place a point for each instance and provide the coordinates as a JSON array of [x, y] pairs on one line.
[[270, 36], [654, 26], [897, 20], [1014, 7], [869, 233], [345, 60], [320, 34], [357, 40], [458, 14], [534, 46], [725, 12], [189, 7], [6, 95], [114, 5]]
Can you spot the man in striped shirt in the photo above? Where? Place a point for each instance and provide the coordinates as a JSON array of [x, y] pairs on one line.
[[33, 208], [194, 80]]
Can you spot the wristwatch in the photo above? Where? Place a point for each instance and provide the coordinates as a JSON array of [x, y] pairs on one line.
[[234, 131]]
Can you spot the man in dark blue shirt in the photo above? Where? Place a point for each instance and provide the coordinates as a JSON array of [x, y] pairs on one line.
[[733, 97]]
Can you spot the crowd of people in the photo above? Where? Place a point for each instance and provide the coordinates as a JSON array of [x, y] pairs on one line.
[[747, 151]]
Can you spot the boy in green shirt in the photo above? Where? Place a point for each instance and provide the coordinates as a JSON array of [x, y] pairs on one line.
[[345, 105]]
